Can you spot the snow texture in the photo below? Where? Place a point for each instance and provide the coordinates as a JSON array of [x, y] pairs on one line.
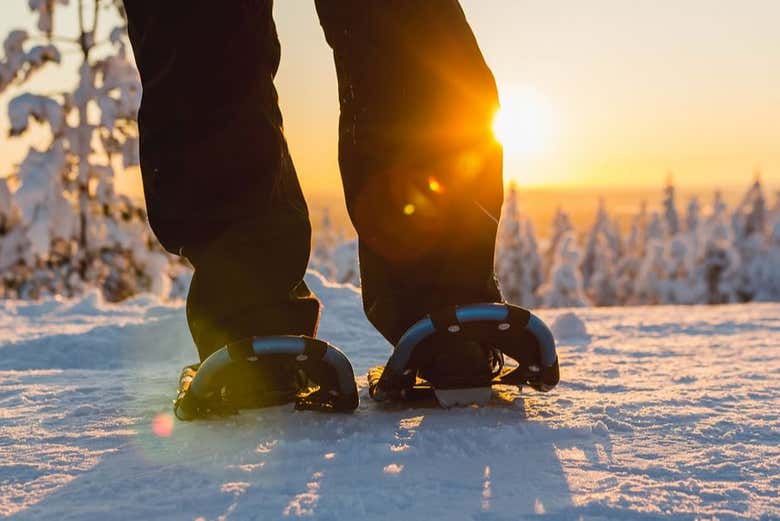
[[663, 413]]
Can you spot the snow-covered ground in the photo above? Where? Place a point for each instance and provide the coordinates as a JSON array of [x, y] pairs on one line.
[[664, 413]]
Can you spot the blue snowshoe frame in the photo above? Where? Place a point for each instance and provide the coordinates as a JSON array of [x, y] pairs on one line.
[[505, 327], [324, 364]]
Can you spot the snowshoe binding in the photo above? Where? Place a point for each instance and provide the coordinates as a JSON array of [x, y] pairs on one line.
[[457, 354], [268, 371]]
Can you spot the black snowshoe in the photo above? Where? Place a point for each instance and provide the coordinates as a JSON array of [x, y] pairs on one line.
[[268, 371], [457, 354]]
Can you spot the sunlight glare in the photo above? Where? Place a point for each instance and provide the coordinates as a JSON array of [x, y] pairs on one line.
[[523, 124]]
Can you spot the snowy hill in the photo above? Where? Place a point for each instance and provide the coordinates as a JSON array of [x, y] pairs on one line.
[[663, 413]]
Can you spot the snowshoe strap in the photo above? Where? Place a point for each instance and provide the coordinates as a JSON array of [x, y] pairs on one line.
[[446, 320]]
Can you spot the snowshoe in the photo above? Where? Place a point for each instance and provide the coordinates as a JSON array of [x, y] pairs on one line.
[[268, 371], [457, 354]]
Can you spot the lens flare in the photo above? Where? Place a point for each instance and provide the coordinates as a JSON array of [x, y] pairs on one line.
[[409, 209], [469, 164], [435, 186], [162, 425]]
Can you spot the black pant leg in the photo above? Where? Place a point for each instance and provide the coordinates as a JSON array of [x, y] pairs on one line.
[[220, 186], [422, 171]]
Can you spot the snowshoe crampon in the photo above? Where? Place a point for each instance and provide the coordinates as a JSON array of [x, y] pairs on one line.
[[457, 354], [268, 371]]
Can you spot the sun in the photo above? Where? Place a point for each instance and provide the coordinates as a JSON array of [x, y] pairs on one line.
[[523, 124]]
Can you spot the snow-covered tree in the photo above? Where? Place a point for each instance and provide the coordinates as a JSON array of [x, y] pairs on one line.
[[68, 232], [603, 245], [602, 286], [766, 269], [753, 211], [560, 228], [656, 229], [510, 249], [626, 273], [718, 269], [693, 217], [345, 260], [680, 285], [671, 218], [564, 287], [637, 236], [649, 286], [517, 258], [774, 212], [325, 242], [593, 243], [703, 263], [719, 207], [752, 251], [534, 273]]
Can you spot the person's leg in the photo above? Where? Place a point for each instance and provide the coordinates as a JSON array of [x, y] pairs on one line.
[[220, 186], [421, 169]]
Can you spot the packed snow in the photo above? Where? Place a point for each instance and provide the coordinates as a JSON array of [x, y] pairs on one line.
[[663, 413]]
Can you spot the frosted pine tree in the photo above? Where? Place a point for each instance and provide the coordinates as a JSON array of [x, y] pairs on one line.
[[564, 287], [511, 249], [533, 272], [693, 217], [6, 208], [345, 261], [628, 264], [637, 236], [752, 252], [602, 288], [604, 245], [754, 209], [774, 212], [750, 220], [626, 272], [14, 245], [561, 227], [656, 229], [718, 269], [680, 285], [650, 284], [719, 207], [518, 263], [693, 229], [614, 238], [671, 218], [325, 243], [766, 269], [593, 243]]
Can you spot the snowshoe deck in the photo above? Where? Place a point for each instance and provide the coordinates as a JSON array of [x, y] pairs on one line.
[[423, 391]]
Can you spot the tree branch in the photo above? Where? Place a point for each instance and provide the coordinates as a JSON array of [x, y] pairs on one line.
[[81, 16], [96, 16]]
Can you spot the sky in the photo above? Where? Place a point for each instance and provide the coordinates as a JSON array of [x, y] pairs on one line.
[[604, 94]]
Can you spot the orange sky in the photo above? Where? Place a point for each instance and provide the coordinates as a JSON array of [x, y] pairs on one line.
[[620, 92]]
